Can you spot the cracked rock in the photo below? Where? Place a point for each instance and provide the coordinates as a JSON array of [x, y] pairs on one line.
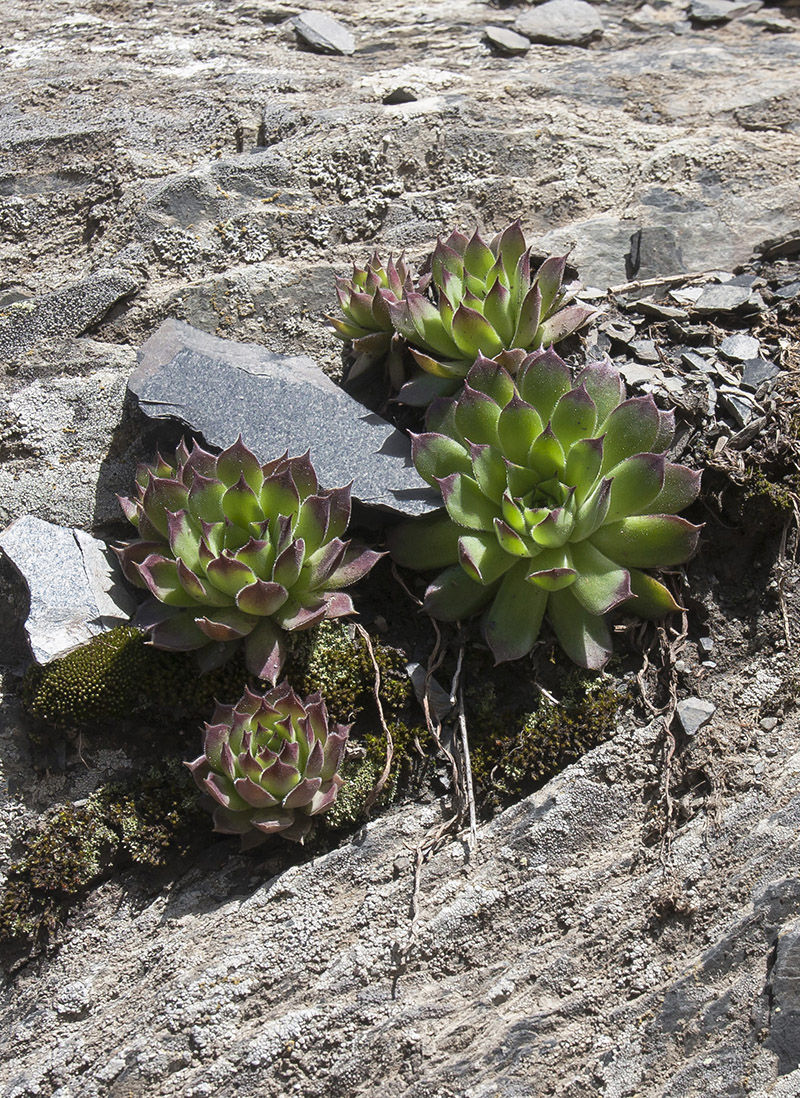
[[693, 713]]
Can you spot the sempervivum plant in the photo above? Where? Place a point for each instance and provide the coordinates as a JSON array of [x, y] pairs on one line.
[[367, 326], [232, 550], [557, 495], [486, 299], [270, 763]]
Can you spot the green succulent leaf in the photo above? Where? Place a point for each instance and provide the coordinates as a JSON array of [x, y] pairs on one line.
[[635, 483], [652, 541], [651, 598], [584, 636], [511, 624], [630, 429], [482, 558], [454, 595], [422, 543], [466, 504], [436, 456]]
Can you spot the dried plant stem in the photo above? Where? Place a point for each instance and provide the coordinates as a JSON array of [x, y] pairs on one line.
[[381, 782], [468, 787], [666, 280]]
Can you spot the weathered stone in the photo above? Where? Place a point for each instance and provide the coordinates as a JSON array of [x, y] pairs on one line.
[[693, 713], [277, 402], [740, 347], [561, 22], [757, 371], [723, 298], [721, 11], [507, 41], [323, 34], [787, 292], [76, 589], [68, 311], [648, 307]]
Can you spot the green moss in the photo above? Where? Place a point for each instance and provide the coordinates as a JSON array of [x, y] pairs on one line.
[[546, 739], [119, 675], [334, 659], [149, 820], [360, 776]]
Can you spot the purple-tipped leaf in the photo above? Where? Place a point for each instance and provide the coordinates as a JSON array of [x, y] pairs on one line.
[[652, 541], [584, 637], [511, 624]]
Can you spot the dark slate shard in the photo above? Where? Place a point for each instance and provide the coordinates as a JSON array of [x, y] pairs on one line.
[[69, 311], [786, 293], [507, 41], [221, 389], [398, 96], [723, 298], [76, 589], [693, 713], [757, 371], [784, 992], [323, 34], [738, 405], [645, 350], [740, 347], [561, 22]]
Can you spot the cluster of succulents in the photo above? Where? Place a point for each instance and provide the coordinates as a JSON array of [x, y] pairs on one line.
[[557, 496], [235, 551], [477, 299], [367, 326], [270, 763]]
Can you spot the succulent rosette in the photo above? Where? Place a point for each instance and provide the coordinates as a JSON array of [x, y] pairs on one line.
[[558, 496], [270, 763], [235, 551], [486, 299], [367, 325]]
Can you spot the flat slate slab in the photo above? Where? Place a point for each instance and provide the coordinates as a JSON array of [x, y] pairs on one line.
[[323, 34], [76, 589], [277, 402]]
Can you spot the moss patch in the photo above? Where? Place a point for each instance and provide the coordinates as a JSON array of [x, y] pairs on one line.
[[334, 660], [119, 675], [509, 764], [148, 821]]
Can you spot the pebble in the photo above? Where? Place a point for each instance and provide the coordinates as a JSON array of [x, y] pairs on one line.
[[398, 96], [768, 724], [706, 644], [561, 22], [507, 41], [693, 713]]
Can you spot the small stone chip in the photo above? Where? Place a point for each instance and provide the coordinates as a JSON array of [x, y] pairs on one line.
[[693, 713]]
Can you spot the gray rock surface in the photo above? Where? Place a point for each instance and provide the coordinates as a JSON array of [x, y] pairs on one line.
[[76, 589], [559, 959], [276, 403], [69, 311], [758, 370], [561, 22], [616, 934]]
